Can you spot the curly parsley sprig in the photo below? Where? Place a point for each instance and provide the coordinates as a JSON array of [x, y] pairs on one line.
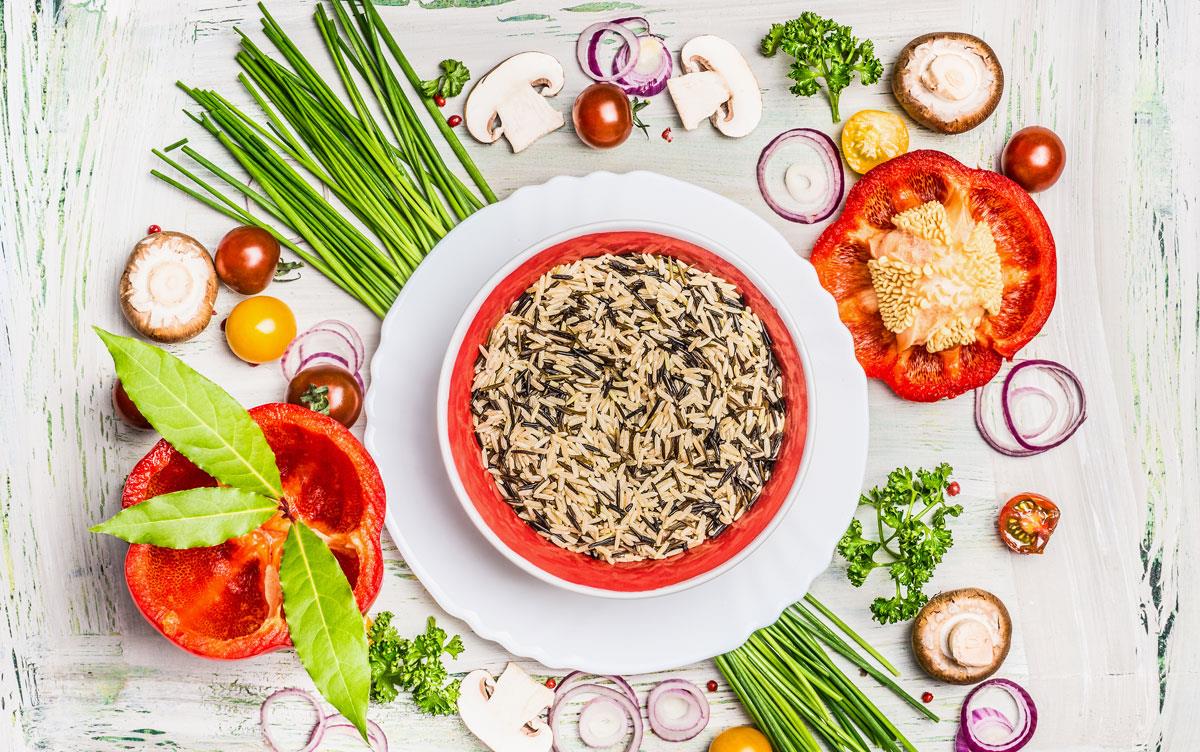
[[453, 78], [823, 50], [914, 508], [414, 665]]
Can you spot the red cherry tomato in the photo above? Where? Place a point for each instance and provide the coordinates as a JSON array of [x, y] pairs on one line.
[[246, 259], [1027, 521], [1034, 158], [454, 121], [329, 390], [126, 410], [439, 100], [602, 115]]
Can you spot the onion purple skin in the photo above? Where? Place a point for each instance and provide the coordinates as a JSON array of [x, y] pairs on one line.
[[668, 731], [326, 722], [620, 698], [824, 145], [589, 42], [636, 86], [1026, 448], [966, 741]]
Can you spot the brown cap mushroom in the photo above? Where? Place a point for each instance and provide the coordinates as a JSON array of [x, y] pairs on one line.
[[169, 286], [948, 81], [962, 636]]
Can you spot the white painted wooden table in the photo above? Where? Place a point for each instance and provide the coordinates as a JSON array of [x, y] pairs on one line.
[[1104, 620]]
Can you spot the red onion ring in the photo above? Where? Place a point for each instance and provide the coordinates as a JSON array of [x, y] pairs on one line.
[[830, 156], [375, 735], [1037, 391], [593, 738], [620, 698], [577, 677], [691, 724], [637, 83], [314, 737], [588, 45], [1021, 731], [1075, 402], [329, 341]]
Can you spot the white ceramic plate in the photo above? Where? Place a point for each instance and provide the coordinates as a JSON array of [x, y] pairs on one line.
[[471, 579]]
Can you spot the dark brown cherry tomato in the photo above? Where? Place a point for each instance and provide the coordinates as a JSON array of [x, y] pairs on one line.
[[246, 259], [125, 408], [330, 390], [602, 115], [1034, 158]]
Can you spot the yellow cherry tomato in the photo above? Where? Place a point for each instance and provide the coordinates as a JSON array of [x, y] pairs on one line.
[[872, 137], [260, 328], [740, 739]]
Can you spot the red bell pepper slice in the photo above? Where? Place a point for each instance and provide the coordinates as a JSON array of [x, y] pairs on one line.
[[225, 601], [1023, 242]]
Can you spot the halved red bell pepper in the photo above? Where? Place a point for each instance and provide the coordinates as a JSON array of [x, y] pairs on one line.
[[225, 601], [1027, 263]]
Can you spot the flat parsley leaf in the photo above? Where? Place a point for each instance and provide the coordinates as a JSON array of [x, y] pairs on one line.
[[823, 50], [414, 665], [450, 83], [915, 509]]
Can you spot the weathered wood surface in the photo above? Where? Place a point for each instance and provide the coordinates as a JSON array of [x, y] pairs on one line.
[[1103, 620]]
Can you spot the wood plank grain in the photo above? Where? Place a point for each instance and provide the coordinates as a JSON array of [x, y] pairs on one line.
[[1101, 620]]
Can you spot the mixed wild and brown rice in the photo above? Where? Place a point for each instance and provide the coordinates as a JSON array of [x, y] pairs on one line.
[[629, 407]]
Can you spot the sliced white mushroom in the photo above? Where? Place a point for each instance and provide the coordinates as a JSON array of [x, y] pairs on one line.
[[169, 287], [510, 101], [718, 85], [505, 713]]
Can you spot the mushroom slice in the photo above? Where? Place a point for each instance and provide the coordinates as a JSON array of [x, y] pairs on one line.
[[514, 94], [948, 81], [718, 85], [505, 713], [962, 636], [169, 287]]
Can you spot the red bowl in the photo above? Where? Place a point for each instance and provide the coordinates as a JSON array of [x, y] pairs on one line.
[[513, 536]]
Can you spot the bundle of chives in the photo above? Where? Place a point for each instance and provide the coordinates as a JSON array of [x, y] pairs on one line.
[[401, 192], [793, 690]]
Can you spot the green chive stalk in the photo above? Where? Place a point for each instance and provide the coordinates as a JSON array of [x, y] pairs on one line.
[[395, 195], [796, 694]]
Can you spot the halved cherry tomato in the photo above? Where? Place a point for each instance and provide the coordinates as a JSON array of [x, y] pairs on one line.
[[872, 137], [259, 329], [1027, 521], [225, 601], [1023, 243]]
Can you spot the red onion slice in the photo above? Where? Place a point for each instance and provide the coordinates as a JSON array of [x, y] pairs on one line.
[[375, 735], [649, 77], [830, 159], [329, 341], [683, 726], [972, 721], [628, 706], [1064, 394], [579, 677], [587, 48], [314, 737], [602, 722]]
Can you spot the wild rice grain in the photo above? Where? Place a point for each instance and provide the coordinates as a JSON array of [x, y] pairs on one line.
[[649, 394]]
